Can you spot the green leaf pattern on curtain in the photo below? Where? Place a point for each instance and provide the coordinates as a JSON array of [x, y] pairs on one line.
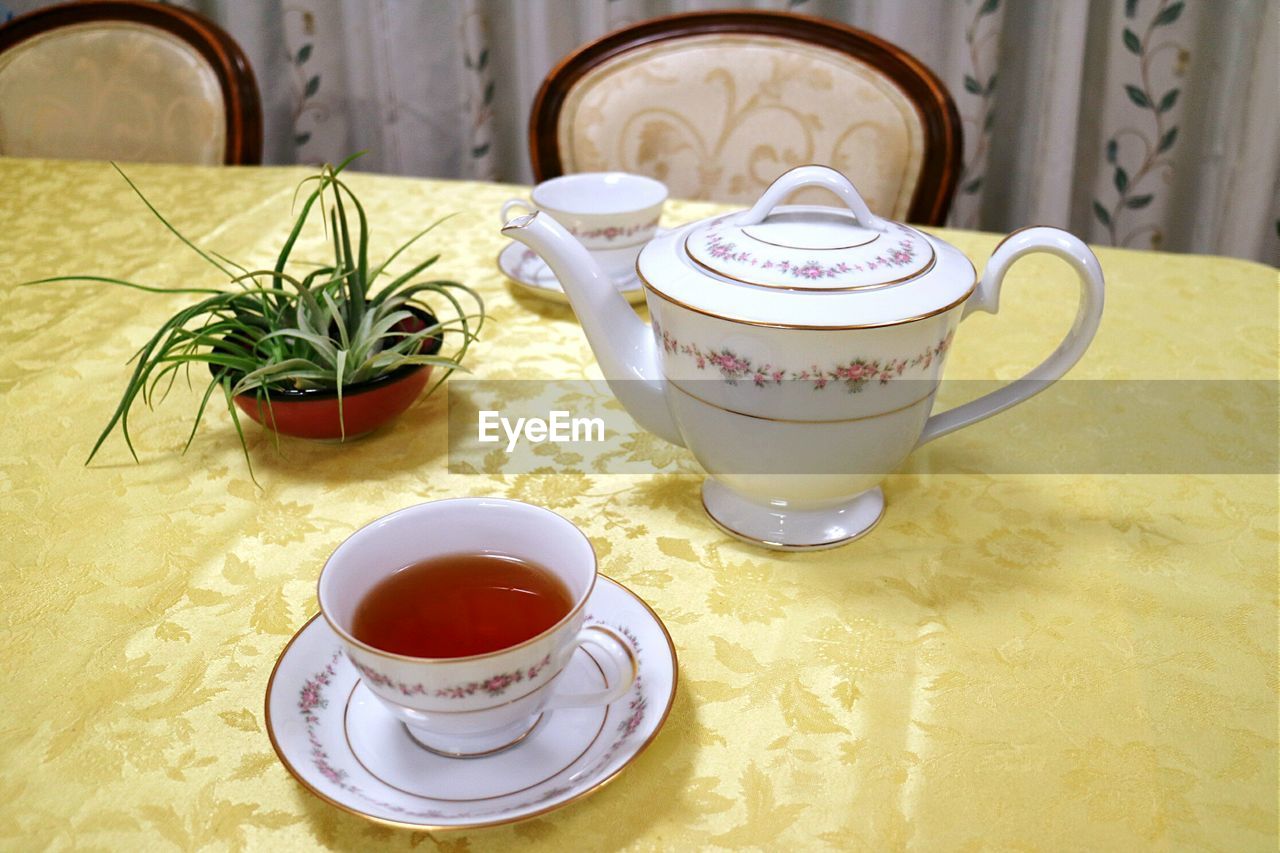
[[480, 88], [308, 106], [1092, 93], [309, 91], [1139, 153], [981, 37]]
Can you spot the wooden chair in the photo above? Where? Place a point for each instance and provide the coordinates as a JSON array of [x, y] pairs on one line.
[[718, 104], [126, 80]]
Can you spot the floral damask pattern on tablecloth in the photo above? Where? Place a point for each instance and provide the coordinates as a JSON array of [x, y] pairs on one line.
[[1052, 662]]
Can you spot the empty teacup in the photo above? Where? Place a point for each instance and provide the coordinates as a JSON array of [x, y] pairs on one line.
[[460, 614], [613, 214]]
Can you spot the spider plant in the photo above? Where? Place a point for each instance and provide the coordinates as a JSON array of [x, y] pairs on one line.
[[266, 330]]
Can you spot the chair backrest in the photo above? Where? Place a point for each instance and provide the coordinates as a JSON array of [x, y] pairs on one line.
[[718, 104], [126, 81]]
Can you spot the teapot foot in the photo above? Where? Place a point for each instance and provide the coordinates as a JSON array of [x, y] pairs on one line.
[[787, 529]]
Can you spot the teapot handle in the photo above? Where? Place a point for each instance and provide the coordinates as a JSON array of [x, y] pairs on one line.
[[812, 176], [1037, 238]]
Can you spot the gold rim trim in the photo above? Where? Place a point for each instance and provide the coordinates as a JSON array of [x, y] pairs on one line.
[[343, 634], [917, 402], [814, 546], [743, 229], [802, 327], [933, 259], [422, 827]]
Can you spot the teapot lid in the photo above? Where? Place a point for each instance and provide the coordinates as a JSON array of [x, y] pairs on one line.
[[818, 267]]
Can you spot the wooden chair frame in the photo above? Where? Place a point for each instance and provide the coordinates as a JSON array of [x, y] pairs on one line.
[[943, 137], [242, 104]]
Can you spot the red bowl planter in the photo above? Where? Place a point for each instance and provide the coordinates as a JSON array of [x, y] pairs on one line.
[[313, 413]]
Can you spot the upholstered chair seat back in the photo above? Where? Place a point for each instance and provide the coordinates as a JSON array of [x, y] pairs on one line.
[[719, 104], [112, 89], [126, 80], [720, 117]]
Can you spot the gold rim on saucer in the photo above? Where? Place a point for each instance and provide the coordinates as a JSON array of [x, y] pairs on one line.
[[424, 827]]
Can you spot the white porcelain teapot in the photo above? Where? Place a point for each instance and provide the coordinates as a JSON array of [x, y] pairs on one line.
[[796, 350]]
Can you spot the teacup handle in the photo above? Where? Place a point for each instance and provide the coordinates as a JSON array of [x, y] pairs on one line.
[[812, 176], [1037, 238], [621, 657], [511, 204]]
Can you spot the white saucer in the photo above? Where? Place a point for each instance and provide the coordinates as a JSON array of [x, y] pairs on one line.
[[528, 271], [343, 746]]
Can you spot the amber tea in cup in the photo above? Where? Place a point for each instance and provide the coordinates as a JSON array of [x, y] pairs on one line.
[[460, 615], [458, 605]]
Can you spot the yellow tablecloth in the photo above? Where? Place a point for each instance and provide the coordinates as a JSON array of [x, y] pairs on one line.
[[1007, 662]]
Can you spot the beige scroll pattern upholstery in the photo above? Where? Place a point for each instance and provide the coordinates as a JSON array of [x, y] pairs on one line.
[[110, 90], [719, 117]]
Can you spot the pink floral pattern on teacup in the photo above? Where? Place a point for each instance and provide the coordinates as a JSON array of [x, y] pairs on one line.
[[613, 233], [853, 375], [495, 685]]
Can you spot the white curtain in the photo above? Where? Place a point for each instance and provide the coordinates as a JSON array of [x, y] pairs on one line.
[[1140, 123]]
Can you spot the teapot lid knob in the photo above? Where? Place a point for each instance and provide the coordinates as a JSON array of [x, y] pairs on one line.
[[812, 176]]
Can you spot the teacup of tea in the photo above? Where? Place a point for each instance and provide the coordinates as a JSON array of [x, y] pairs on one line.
[[613, 214], [460, 614]]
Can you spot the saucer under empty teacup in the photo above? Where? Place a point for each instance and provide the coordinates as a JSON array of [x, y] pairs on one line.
[[531, 275]]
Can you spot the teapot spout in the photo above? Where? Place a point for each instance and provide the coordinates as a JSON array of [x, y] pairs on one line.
[[622, 342]]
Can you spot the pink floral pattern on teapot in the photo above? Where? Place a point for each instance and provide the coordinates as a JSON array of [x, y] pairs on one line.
[[853, 375], [899, 256]]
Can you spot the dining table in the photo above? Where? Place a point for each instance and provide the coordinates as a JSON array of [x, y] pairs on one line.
[[1015, 659]]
